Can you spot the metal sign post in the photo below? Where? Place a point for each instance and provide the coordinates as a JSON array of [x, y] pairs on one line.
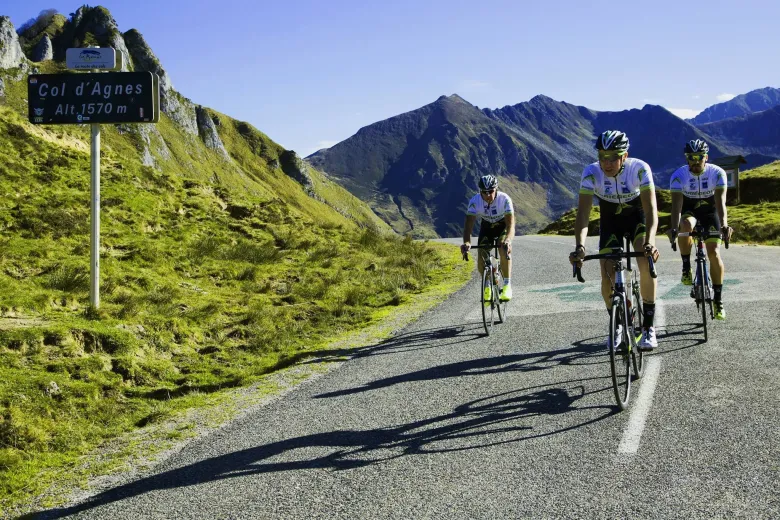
[[94, 98], [94, 230]]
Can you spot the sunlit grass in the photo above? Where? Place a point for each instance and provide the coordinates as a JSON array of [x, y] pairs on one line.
[[213, 274]]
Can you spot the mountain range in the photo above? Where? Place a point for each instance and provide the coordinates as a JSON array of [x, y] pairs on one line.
[[418, 169]]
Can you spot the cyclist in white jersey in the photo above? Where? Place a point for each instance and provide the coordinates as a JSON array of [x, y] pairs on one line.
[[495, 210], [699, 195], [626, 193]]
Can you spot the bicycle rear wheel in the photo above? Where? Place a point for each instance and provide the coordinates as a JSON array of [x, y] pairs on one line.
[[488, 307], [636, 321], [620, 359], [702, 301]]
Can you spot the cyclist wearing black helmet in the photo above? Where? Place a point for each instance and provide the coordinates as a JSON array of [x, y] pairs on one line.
[[626, 193], [699, 194], [497, 222]]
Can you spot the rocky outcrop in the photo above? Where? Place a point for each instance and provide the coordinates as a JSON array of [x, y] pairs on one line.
[[44, 51], [144, 59], [2, 89], [11, 54], [208, 132], [180, 109], [294, 167]]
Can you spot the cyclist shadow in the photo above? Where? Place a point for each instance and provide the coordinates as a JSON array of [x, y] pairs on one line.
[[491, 421], [407, 342], [579, 353], [688, 334]]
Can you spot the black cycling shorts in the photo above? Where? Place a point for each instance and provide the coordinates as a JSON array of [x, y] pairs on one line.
[[488, 232], [703, 210], [613, 226]]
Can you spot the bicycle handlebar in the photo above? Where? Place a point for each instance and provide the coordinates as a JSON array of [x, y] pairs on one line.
[[577, 272], [675, 234], [508, 254]]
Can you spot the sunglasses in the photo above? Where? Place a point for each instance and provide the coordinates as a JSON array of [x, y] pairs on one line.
[[610, 157], [694, 157], [486, 192]]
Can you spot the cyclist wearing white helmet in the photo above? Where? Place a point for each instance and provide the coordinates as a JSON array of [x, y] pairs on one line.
[[626, 193], [497, 222], [699, 194]]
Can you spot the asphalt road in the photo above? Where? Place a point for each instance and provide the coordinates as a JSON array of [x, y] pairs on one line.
[[443, 422]]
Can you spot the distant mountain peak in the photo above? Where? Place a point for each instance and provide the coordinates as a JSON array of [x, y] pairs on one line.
[[754, 101]]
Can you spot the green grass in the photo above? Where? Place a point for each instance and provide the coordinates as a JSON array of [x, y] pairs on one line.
[[214, 274]]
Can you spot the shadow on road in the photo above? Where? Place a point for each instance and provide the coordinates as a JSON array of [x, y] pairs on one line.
[[579, 353], [494, 420]]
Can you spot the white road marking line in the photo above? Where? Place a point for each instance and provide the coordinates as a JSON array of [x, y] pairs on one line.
[[640, 408]]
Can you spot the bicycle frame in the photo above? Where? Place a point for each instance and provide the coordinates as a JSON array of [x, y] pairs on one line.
[[622, 314], [493, 278], [702, 291]]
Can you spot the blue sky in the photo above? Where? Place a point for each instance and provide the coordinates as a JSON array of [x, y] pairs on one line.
[[311, 73]]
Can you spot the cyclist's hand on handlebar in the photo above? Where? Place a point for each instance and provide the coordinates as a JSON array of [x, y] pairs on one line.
[[464, 250], [576, 256], [672, 234], [726, 232], [652, 252]]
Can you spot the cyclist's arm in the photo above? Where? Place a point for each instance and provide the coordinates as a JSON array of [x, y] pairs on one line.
[[720, 206], [583, 218], [647, 196], [467, 227], [677, 203], [509, 220]]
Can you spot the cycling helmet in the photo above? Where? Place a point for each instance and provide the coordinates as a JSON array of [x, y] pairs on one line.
[[488, 182], [696, 146], [612, 140]]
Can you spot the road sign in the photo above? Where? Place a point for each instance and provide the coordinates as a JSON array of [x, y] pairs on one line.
[[98, 97], [104, 58]]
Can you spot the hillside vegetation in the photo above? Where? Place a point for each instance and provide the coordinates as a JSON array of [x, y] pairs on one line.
[[216, 269]]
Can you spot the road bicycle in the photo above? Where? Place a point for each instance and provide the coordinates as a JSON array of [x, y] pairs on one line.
[[492, 278], [626, 311], [701, 291]]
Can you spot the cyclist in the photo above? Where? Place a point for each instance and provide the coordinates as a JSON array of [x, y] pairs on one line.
[[497, 222], [626, 194], [699, 193]]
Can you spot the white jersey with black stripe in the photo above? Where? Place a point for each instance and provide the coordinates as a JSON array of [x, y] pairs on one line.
[[700, 186], [493, 212], [626, 186]]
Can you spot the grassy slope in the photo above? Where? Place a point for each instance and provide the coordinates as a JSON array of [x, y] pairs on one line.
[[213, 274], [755, 220]]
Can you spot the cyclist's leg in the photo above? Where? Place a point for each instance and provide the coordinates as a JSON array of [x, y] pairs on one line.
[[711, 223], [484, 239], [609, 231], [687, 225], [506, 263], [648, 287]]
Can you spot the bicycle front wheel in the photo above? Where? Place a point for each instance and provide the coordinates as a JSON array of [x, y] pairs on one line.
[[620, 357], [702, 272], [488, 306]]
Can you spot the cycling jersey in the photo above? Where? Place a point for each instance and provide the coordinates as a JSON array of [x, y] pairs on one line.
[[621, 207], [621, 190], [493, 212], [699, 195], [700, 186]]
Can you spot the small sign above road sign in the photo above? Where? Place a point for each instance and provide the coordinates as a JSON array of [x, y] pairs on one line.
[[103, 58]]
